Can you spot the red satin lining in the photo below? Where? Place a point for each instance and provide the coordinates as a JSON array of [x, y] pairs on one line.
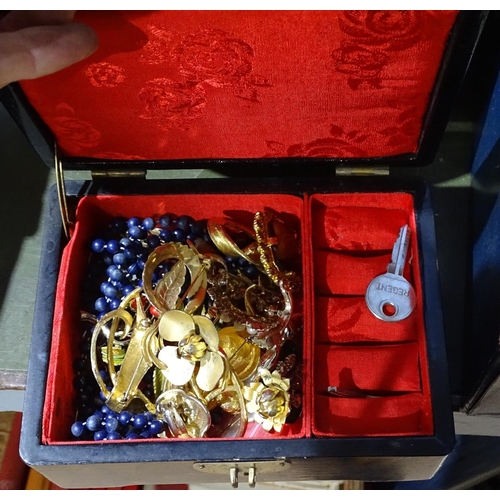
[[348, 320], [246, 84], [93, 215], [352, 239], [344, 345]]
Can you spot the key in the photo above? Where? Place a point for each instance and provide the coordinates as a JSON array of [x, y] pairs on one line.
[[390, 296]]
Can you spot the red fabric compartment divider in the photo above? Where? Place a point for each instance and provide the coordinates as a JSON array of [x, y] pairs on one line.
[[348, 320], [93, 215], [380, 416], [385, 368], [373, 354]]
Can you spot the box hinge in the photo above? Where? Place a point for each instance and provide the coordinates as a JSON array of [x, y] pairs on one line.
[[247, 469], [67, 223], [119, 174], [362, 171]]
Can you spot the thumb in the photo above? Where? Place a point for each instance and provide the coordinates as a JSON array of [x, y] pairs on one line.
[[37, 51]]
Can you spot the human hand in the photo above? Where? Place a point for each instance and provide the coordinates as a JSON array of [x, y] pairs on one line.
[[37, 43]]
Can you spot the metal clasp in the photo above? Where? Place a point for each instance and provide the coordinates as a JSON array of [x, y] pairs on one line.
[[248, 469]]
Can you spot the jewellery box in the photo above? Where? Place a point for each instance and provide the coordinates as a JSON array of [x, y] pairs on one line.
[[306, 114]]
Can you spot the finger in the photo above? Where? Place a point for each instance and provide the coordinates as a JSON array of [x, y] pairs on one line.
[[34, 52], [19, 19]]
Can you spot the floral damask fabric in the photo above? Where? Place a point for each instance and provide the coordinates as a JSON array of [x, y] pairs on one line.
[[247, 84]]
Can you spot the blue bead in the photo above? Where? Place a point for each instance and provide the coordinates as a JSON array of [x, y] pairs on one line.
[[128, 290], [242, 262], [140, 421], [155, 427], [145, 434], [179, 235], [136, 232], [114, 273], [141, 263], [101, 305], [148, 224], [113, 246], [153, 241], [117, 284], [184, 221], [124, 243], [98, 245], [107, 410], [111, 292], [77, 429], [251, 271], [133, 221], [124, 417], [198, 228], [93, 423], [100, 435], [133, 269], [119, 259], [115, 304], [113, 436], [191, 237], [111, 424], [140, 283], [108, 260], [130, 253], [166, 235], [131, 435], [119, 224], [166, 220], [150, 416], [100, 315]]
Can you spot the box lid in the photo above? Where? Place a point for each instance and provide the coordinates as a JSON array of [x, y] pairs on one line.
[[171, 89]]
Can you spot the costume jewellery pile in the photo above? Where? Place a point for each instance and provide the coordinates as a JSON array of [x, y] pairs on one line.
[[197, 332]]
